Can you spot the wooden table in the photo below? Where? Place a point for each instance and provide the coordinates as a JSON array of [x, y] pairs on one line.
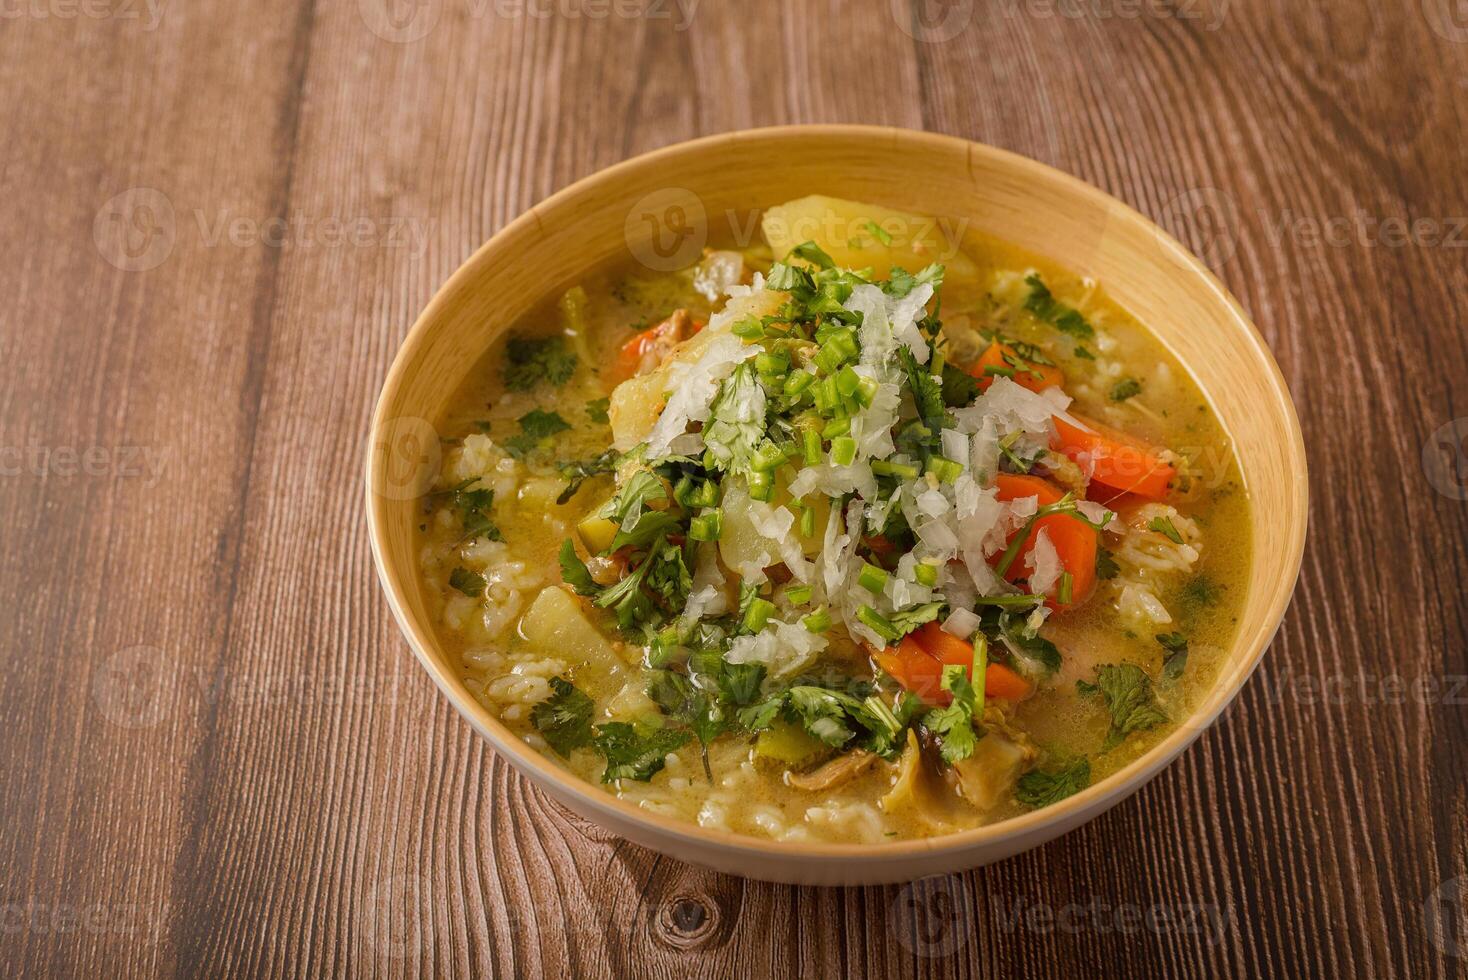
[[217, 757]]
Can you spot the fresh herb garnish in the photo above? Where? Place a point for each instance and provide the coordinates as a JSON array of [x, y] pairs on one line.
[[1176, 661], [1044, 305], [954, 725], [1127, 692], [473, 505], [536, 428], [1125, 388], [578, 471], [470, 583], [1163, 525], [1040, 788], [530, 361], [596, 410], [564, 718], [633, 754], [1106, 566], [1201, 591]]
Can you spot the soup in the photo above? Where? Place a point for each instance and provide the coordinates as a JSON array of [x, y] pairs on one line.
[[793, 547]]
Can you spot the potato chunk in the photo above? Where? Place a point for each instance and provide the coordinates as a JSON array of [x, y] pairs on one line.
[[556, 625], [844, 230]]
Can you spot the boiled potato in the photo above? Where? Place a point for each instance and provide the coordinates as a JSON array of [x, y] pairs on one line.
[[844, 230], [556, 625]]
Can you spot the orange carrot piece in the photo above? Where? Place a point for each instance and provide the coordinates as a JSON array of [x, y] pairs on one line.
[[1075, 541], [1116, 460], [1050, 376]]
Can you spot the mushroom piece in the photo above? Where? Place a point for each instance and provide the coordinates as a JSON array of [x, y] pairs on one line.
[[842, 769]]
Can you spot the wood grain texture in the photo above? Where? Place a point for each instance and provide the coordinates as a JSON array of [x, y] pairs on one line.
[[216, 755]]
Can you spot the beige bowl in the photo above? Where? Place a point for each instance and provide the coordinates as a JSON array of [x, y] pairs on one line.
[[657, 208]]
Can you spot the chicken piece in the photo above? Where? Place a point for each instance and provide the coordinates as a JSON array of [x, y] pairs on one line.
[[842, 769], [647, 351]]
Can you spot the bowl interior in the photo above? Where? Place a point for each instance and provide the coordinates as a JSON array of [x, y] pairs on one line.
[[656, 208]]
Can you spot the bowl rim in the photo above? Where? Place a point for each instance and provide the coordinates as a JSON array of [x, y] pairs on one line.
[[1078, 808]]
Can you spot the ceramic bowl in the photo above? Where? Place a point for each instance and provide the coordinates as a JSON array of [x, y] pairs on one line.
[[659, 209]]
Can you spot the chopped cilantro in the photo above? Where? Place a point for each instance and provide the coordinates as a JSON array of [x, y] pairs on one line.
[[1106, 566], [564, 718], [878, 232], [530, 361], [1163, 525], [954, 725], [536, 428], [578, 471], [467, 582], [596, 410], [1127, 692], [959, 387], [1201, 591], [1039, 788], [632, 754], [1125, 388], [473, 505], [1064, 318], [574, 572], [1084, 353], [1176, 661]]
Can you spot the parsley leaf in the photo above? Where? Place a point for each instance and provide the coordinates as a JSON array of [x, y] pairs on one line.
[[631, 754], [959, 387], [467, 582], [1039, 788], [1176, 646], [1164, 526], [1127, 692], [536, 428], [878, 232], [737, 420], [574, 571], [1044, 305], [564, 718], [1125, 388], [529, 361], [578, 471], [954, 725], [473, 505]]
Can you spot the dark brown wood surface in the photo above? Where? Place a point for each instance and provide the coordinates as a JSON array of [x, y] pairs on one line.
[[217, 757]]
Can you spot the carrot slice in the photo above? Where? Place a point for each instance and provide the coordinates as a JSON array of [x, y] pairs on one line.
[[917, 664], [1037, 377], [1116, 460], [1075, 541]]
